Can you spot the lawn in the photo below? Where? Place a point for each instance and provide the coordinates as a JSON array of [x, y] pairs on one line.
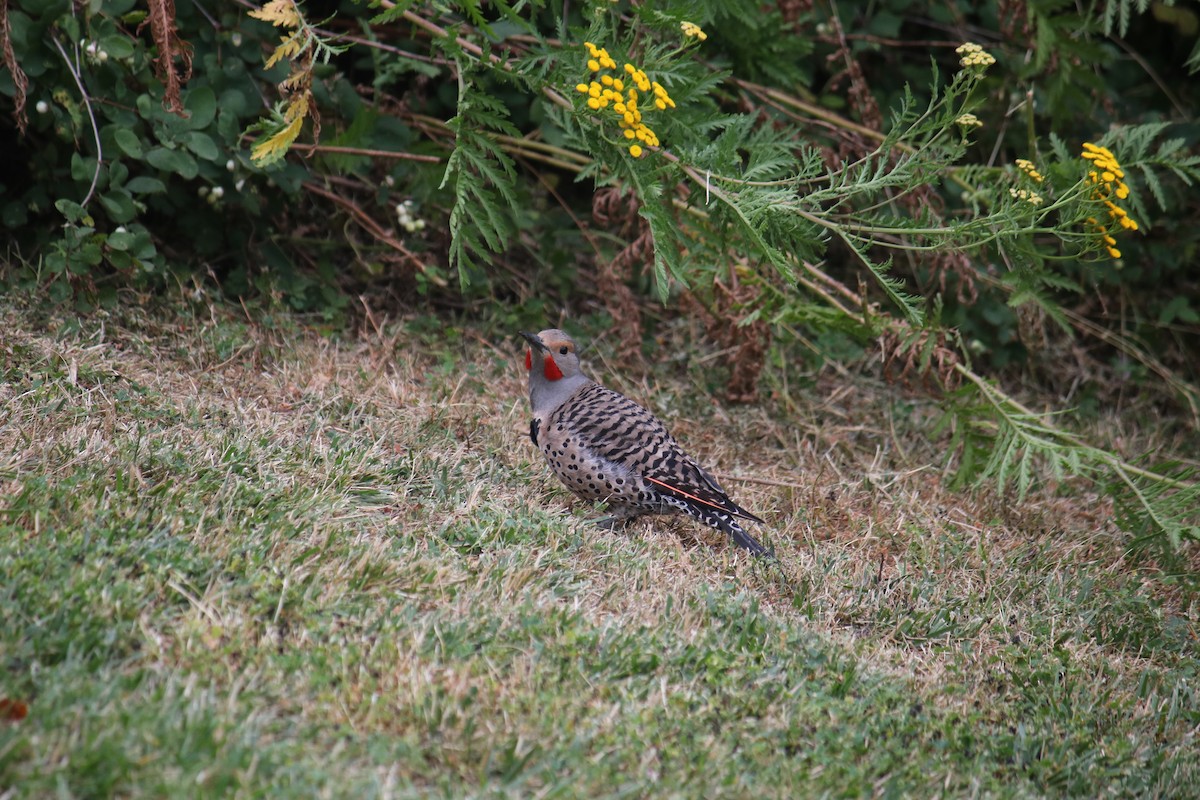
[[248, 558]]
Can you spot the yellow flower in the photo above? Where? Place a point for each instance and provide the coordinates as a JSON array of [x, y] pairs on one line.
[[1107, 183], [969, 121], [608, 91], [1026, 166], [974, 56], [692, 31], [1032, 198]]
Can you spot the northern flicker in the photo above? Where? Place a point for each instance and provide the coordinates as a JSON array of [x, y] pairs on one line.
[[604, 446]]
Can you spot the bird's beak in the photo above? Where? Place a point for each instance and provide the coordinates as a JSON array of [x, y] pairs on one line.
[[533, 339]]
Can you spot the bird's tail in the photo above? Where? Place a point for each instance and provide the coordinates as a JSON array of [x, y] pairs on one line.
[[745, 540]]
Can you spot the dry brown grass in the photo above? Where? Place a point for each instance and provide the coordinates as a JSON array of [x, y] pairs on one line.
[[388, 477]]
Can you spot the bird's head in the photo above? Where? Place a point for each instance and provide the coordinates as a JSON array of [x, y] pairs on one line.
[[553, 367]]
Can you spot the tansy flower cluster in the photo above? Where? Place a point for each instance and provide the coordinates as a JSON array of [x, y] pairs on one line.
[[1108, 185], [610, 92], [1026, 166], [969, 121], [1032, 198], [974, 56], [692, 31], [600, 59]]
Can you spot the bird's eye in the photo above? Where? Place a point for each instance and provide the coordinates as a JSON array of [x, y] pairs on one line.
[[563, 350]]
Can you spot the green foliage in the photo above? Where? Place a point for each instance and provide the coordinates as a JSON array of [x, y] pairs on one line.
[[483, 178], [107, 187], [1003, 442], [109, 206]]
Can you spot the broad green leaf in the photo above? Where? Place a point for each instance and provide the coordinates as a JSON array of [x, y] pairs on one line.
[[201, 105], [121, 240], [129, 143], [117, 46], [74, 212], [202, 145], [175, 161], [119, 205], [143, 184]]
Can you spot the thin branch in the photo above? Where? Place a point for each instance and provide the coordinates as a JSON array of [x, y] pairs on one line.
[[87, 103], [362, 151], [375, 229]]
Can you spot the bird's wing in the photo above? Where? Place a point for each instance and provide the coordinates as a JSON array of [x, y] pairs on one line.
[[615, 428]]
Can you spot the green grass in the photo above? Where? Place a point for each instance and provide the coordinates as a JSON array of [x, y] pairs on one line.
[[249, 562]]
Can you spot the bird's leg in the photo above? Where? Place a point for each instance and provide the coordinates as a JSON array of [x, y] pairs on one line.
[[619, 519]]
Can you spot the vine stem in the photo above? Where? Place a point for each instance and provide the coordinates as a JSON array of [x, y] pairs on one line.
[[87, 103]]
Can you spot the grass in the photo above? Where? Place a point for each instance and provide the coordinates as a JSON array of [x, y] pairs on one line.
[[254, 561]]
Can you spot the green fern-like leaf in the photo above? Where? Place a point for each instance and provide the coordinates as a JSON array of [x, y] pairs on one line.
[[1154, 508], [395, 12], [893, 287], [1154, 185], [484, 180]]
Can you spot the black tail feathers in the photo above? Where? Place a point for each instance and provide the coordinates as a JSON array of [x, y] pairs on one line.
[[745, 540]]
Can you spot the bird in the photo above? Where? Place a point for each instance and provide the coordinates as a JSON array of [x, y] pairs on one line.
[[605, 447]]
